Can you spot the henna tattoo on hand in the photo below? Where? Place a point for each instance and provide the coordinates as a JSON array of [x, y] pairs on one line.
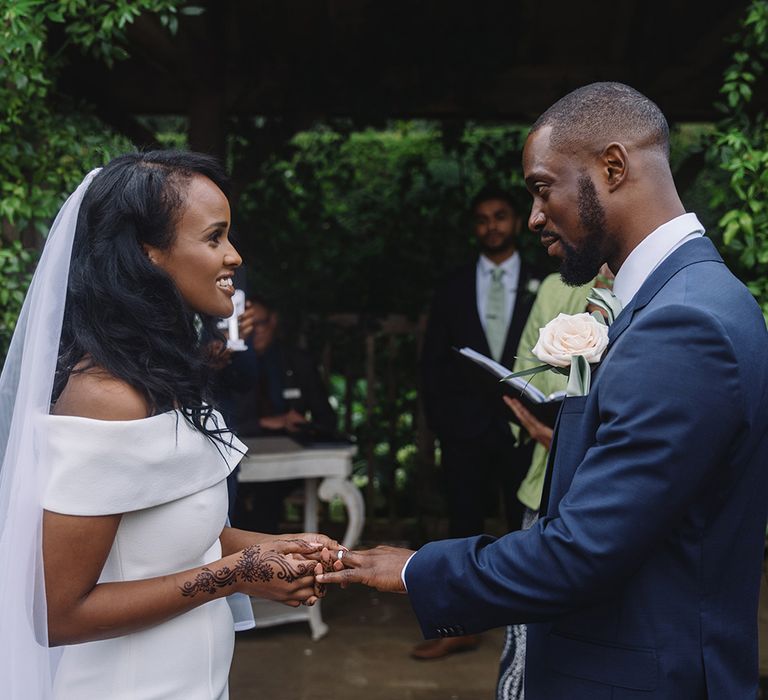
[[252, 566], [290, 573]]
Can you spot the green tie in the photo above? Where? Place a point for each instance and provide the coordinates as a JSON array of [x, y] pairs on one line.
[[495, 314]]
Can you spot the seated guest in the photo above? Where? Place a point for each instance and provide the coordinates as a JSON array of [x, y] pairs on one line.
[[271, 388]]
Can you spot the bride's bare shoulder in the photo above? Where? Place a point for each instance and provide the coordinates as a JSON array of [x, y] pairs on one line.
[[94, 393]]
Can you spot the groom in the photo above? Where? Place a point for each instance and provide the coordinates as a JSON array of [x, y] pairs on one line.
[[641, 578]]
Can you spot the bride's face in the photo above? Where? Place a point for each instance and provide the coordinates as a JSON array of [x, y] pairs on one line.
[[201, 260]]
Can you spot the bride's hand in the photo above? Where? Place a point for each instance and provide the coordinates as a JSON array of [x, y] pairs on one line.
[[313, 537], [234, 539], [279, 573], [324, 559]]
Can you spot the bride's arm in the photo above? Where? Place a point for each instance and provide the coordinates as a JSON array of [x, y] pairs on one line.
[[75, 549], [233, 539], [80, 609]]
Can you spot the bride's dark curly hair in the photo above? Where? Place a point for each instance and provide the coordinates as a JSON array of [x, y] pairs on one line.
[[124, 314]]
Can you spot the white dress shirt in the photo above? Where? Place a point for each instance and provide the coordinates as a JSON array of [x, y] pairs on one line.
[[509, 279], [652, 251]]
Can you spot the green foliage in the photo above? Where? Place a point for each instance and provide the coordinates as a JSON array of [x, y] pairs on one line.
[[740, 149], [47, 143], [16, 265], [368, 221]]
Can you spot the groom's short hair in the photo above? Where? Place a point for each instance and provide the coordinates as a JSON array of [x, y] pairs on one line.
[[602, 112]]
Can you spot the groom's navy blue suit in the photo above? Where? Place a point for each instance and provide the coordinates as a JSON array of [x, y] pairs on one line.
[[642, 579]]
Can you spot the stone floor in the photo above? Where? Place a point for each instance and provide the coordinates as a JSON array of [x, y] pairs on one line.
[[364, 655]]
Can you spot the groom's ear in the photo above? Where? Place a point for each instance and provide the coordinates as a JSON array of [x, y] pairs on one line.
[[614, 165]]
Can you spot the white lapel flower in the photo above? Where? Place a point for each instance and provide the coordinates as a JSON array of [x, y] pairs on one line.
[[575, 341], [533, 285], [569, 335]]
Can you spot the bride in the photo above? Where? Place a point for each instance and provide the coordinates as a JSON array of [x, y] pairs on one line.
[[122, 495]]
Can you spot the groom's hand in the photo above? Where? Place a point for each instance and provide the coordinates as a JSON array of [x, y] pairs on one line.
[[379, 568]]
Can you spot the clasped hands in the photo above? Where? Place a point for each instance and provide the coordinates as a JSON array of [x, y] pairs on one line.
[[379, 568], [300, 566]]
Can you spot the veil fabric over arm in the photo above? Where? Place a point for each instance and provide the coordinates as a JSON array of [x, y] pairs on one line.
[[27, 663]]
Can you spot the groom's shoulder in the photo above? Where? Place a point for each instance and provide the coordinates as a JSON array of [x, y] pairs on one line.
[[710, 287], [704, 285], [703, 309]]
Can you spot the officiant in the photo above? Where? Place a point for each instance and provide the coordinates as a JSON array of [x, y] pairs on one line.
[[482, 305]]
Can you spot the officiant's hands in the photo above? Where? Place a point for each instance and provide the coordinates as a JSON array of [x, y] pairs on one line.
[[539, 431], [379, 568]]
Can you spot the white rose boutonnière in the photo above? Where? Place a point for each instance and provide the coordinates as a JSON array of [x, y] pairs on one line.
[[571, 343]]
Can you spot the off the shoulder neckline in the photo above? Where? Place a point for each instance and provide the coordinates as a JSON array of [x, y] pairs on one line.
[[114, 422]]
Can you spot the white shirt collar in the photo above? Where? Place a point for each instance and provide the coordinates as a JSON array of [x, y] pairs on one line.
[[510, 266], [652, 251]]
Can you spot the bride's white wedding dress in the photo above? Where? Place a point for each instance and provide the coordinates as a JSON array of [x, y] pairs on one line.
[[168, 480]]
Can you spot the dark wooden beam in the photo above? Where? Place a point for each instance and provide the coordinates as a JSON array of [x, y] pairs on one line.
[[492, 60]]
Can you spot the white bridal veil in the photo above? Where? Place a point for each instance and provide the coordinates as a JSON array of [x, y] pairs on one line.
[[26, 662]]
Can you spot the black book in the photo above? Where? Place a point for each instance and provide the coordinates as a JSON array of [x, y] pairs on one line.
[[489, 374]]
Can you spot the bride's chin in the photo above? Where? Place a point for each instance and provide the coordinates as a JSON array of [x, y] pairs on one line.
[[214, 310]]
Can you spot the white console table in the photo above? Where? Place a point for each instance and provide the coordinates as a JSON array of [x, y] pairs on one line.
[[326, 471]]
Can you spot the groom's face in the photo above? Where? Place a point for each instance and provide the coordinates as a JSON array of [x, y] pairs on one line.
[[566, 211]]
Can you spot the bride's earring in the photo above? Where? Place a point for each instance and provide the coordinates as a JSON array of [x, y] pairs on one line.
[[149, 255]]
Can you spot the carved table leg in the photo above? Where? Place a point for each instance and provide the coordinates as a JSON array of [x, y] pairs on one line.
[[316, 625], [332, 487]]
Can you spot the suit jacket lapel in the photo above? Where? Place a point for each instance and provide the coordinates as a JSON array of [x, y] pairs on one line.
[[699, 250], [519, 314]]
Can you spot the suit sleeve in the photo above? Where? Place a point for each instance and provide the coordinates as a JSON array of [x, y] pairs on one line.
[[671, 408]]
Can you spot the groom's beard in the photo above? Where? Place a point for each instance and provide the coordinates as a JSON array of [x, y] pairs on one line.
[[581, 265]]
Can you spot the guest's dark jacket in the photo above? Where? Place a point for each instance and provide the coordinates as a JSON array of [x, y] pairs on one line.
[[456, 406], [281, 379]]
